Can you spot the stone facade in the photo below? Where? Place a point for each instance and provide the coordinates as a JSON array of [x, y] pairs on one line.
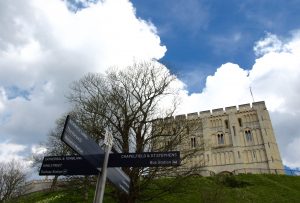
[[235, 140]]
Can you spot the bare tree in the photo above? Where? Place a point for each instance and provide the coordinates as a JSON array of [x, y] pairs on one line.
[[127, 102], [53, 147], [12, 180]]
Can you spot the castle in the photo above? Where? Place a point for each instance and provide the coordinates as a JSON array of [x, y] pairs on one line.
[[237, 140]]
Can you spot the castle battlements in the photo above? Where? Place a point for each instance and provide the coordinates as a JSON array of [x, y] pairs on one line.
[[219, 111], [223, 139]]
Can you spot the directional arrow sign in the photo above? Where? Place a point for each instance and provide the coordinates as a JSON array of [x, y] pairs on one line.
[[66, 165], [81, 143], [76, 165], [145, 159]]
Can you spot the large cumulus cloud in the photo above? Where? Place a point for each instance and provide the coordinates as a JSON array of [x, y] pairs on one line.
[[44, 46]]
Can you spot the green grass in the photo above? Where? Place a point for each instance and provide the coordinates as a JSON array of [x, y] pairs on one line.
[[241, 188]]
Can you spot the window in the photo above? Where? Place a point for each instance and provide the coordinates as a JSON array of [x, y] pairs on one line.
[[240, 122], [193, 142], [187, 130], [248, 136], [269, 144], [226, 124], [220, 139], [239, 154], [254, 155]]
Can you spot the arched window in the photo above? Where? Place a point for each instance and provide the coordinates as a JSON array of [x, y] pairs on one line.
[[193, 142], [226, 124], [220, 139], [248, 135], [240, 122]]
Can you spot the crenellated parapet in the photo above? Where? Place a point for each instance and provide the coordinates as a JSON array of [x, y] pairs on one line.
[[244, 107], [231, 109], [259, 105], [223, 139], [192, 116], [218, 111]]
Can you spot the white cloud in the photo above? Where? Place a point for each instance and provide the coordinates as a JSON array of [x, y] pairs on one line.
[[44, 47], [37, 149], [271, 43], [274, 78], [293, 151], [10, 151], [229, 85], [2, 99]]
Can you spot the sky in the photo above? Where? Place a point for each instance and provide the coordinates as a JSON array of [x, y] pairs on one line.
[[217, 49]]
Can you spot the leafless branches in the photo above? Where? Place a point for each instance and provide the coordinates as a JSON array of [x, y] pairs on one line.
[[12, 178]]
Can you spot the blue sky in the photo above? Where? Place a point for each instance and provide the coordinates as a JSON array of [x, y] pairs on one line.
[[200, 35], [217, 50]]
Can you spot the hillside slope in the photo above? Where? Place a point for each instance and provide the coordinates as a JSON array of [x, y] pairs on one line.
[[241, 188]]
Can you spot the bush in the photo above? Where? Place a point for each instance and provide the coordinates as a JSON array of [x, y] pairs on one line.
[[231, 181]]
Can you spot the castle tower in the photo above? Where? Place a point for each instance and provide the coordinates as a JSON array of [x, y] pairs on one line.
[[237, 140]]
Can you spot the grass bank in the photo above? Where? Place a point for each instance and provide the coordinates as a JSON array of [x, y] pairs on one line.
[[240, 188]]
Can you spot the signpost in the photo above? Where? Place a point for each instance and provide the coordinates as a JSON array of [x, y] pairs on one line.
[[76, 165], [66, 165], [92, 157], [100, 187], [78, 140]]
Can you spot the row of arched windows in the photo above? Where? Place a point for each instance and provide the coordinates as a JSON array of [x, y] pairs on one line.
[[221, 158], [246, 118], [257, 155]]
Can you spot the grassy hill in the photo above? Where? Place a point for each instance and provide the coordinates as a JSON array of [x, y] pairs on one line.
[[241, 188]]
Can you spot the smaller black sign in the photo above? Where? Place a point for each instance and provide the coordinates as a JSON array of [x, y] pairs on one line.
[[66, 165], [145, 159]]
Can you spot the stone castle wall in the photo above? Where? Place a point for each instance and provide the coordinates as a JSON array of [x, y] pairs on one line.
[[227, 140]]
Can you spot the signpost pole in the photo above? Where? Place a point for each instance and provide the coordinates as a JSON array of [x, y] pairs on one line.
[[100, 187]]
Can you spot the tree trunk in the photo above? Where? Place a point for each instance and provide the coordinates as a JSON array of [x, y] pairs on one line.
[[86, 188], [54, 181]]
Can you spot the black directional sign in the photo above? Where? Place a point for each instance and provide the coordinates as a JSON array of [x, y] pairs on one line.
[[67, 165], [145, 159], [81, 143], [76, 165]]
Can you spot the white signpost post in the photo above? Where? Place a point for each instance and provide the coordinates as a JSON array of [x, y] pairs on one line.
[[100, 187]]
